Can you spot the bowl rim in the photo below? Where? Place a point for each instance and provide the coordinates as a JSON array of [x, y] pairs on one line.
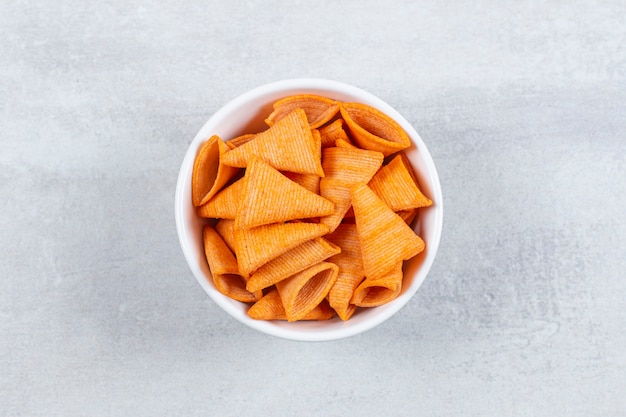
[[322, 86]]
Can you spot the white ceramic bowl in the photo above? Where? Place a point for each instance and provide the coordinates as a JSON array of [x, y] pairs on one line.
[[246, 114]]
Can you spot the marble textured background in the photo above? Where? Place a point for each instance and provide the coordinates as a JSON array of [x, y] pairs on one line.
[[521, 104]]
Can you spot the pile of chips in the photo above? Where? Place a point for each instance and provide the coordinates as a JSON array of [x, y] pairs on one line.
[[311, 217]]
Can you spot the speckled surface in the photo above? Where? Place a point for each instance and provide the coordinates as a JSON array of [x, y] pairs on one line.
[[521, 104]]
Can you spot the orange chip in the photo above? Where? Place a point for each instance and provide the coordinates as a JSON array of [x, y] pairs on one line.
[[372, 129], [225, 204], [317, 147], [351, 165], [318, 109], [350, 269], [348, 279], [209, 172], [270, 197], [385, 238], [345, 167], [270, 307], [301, 292], [333, 132], [259, 245], [289, 145], [396, 186], [338, 192], [226, 229], [379, 291], [309, 181], [224, 270], [292, 262]]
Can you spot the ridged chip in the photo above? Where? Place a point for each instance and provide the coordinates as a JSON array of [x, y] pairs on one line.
[[226, 229], [224, 269], [225, 204], [291, 262], [345, 167], [258, 245], [378, 291], [270, 307], [289, 145], [303, 291], [270, 197], [372, 129], [397, 187], [318, 109], [386, 239], [350, 269], [210, 174], [309, 181]]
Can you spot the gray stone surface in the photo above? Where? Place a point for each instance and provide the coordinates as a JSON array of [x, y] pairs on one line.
[[522, 105]]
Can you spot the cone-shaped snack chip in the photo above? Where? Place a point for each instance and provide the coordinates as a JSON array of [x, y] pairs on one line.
[[291, 262], [372, 129], [309, 181], [350, 269], [385, 238], [345, 167], [210, 174], [270, 307], [318, 109], [270, 197], [338, 192], [259, 245], [351, 165], [224, 270], [395, 184], [303, 291], [379, 291], [226, 229], [225, 204], [289, 145]]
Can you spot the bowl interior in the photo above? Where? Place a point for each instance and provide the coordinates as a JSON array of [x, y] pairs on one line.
[[246, 114]]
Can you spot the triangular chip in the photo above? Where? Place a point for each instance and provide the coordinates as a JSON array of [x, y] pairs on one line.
[[226, 229], [372, 129], [289, 145], [385, 238], [318, 109], [270, 307], [224, 269], [270, 197], [379, 291], [210, 174], [225, 204], [338, 192], [396, 186], [351, 165], [309, 181], [292, 262], [350, 269], [345, 167], [259, 245], [303, 291]]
